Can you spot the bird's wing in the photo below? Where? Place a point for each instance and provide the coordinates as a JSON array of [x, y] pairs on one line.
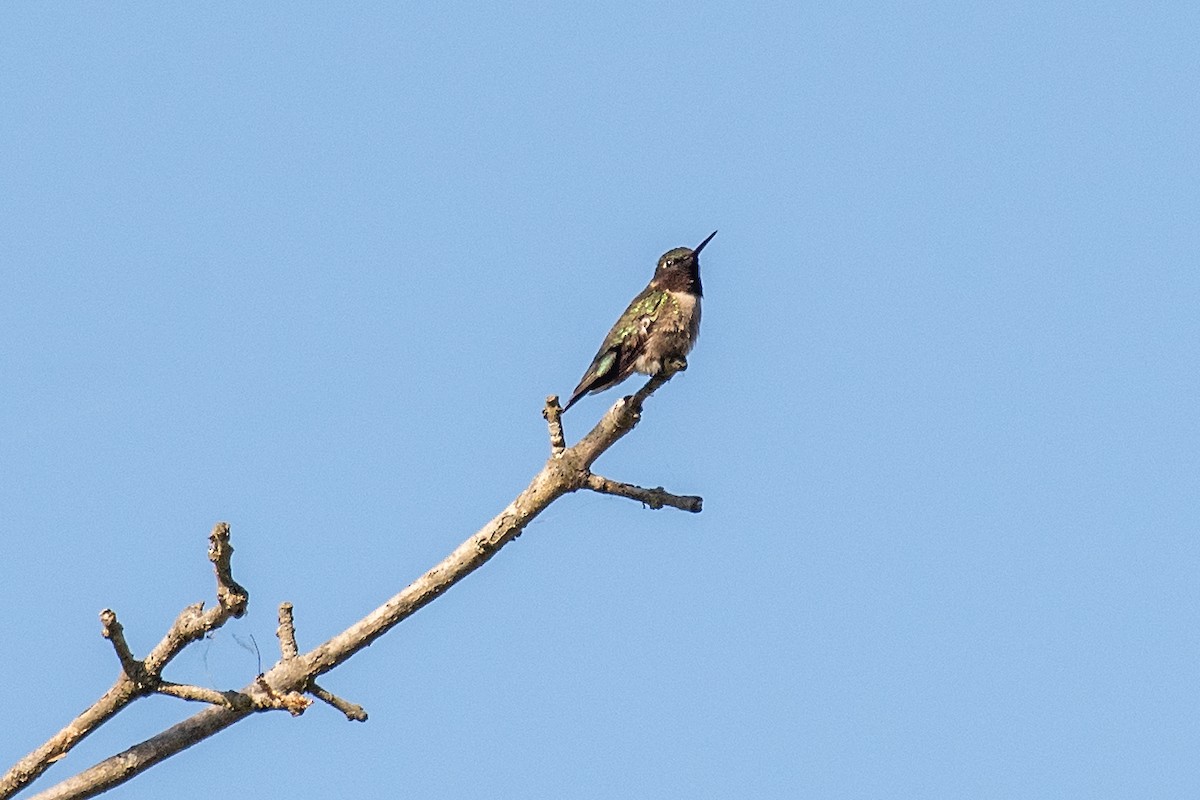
[[615, 359]]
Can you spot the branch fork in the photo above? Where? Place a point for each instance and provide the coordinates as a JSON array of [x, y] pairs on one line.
[[287, 645], [622, 417]]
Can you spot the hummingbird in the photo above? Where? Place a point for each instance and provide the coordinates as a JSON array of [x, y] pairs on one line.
[[658, 329]]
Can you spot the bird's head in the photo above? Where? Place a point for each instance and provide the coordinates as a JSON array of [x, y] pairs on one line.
[[679, 269]]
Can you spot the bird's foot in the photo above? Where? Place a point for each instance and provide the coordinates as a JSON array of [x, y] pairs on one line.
[[673, 365]]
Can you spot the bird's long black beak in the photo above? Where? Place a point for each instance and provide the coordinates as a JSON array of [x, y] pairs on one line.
[[700, 246]]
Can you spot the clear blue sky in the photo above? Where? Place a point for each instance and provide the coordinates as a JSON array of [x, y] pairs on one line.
[[313, 269]]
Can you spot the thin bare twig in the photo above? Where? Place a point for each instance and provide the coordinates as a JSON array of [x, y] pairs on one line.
[[199, 694], [230, 594], [553, 414], [654, 498], [287, 632], [114, 631], [353, 711]]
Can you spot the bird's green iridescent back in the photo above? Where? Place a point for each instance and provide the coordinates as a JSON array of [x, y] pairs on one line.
[[646, 305]]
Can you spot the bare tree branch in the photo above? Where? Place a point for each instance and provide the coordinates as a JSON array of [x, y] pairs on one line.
[[138, 678], [654, 498], [282, 687], [230, 594], [114, 631], [287, 632], [199, 694], [353, 711], [553, 414]]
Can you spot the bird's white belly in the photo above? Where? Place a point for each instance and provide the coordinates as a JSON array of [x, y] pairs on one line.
[[671, 340]]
